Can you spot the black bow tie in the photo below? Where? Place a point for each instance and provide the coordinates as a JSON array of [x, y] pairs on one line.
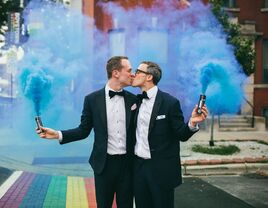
[[113, 93], [143, 96]]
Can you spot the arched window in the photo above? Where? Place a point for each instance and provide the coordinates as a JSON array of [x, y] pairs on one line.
[[265, 3], [230, 3], [265, 61]]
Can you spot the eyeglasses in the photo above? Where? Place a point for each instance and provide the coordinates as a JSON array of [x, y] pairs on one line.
[[138, 71]]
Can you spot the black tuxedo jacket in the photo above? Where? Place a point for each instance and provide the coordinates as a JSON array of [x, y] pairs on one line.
[[94, 117], [166, 130]]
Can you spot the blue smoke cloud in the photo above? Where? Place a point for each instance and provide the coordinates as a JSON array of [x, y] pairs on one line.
[[224, 94], [56, 53], [53, 77], [191, 48], [65, 59], [66, 63], [36, 86]]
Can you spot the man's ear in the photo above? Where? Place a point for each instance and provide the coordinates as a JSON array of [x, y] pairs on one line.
[[115, 73], [150, 77]]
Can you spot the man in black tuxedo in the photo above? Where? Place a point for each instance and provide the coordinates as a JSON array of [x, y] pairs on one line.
[[159, 129], [110, 112]]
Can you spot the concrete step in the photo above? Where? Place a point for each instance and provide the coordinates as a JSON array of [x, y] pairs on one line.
[[240, 120], [237, 129], [235, 124]]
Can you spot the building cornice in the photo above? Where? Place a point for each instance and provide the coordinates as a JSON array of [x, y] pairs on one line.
[[264, 9], [231, 9], [262, 86], [249, 28]]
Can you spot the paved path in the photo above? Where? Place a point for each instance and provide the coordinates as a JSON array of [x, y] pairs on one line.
[[25, 189], [231, 135]]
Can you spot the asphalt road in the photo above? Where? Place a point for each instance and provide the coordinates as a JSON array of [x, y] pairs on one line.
[[249, 191]]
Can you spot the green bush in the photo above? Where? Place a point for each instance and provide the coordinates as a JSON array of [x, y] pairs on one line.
[[243, 50], [262, 142], [216, 150]]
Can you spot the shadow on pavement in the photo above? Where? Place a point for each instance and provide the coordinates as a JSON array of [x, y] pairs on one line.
[[195, 192], [4, 174]]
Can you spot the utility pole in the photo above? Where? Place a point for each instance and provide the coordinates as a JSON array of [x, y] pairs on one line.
[[211, 141]]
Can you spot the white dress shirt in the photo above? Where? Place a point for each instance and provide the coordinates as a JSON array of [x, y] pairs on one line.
[[142, 148], [116, 123]]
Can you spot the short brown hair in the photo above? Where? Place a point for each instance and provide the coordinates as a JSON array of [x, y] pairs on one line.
[[154, 69], [114, 63]]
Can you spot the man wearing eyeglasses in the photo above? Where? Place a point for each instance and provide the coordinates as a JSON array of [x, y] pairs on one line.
[[159, 129], [110, 112]]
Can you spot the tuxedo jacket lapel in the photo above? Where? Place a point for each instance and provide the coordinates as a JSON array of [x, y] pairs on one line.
[[101, 104], [137, 112], [156, 107]]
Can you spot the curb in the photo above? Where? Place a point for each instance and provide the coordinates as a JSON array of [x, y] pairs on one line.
[[225, 161], [232, 166], [224, 169]]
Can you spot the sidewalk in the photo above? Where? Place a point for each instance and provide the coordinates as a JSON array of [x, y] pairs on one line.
[[252, 157], [251, 153], [231, 135]]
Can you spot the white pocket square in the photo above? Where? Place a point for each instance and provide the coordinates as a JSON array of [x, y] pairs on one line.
[[133, 107], [160, 117]]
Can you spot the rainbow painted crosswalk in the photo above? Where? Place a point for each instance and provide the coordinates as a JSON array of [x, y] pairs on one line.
[[24, 190]]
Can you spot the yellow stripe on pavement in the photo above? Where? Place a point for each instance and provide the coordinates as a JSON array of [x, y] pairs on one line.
[[76, 196]]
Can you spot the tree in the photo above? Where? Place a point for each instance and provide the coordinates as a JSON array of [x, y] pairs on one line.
[[244, 52], [5, 7]]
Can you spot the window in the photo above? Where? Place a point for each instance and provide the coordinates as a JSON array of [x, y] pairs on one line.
[[265, 61], [229, 3], [265, 3], [265, 114], [147, 46], [117, 42]]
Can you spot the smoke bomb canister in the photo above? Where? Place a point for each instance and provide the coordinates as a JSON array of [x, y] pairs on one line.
[[38, 122], [201, 103]]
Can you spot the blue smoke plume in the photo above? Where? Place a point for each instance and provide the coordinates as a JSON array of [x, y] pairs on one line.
[[65, 59], [224, 94], [36, 86], [58, 51]]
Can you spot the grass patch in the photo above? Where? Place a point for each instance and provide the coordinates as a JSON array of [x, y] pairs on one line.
[[216, 150], [262, 142]]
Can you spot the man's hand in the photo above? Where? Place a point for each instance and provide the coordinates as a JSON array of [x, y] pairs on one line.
[[197, 118], [47, 133]]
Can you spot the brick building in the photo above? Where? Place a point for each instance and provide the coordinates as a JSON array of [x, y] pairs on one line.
[[253, 17]]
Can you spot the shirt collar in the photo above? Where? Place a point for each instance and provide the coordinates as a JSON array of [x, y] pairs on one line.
[[152, 92], [107, 89]]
